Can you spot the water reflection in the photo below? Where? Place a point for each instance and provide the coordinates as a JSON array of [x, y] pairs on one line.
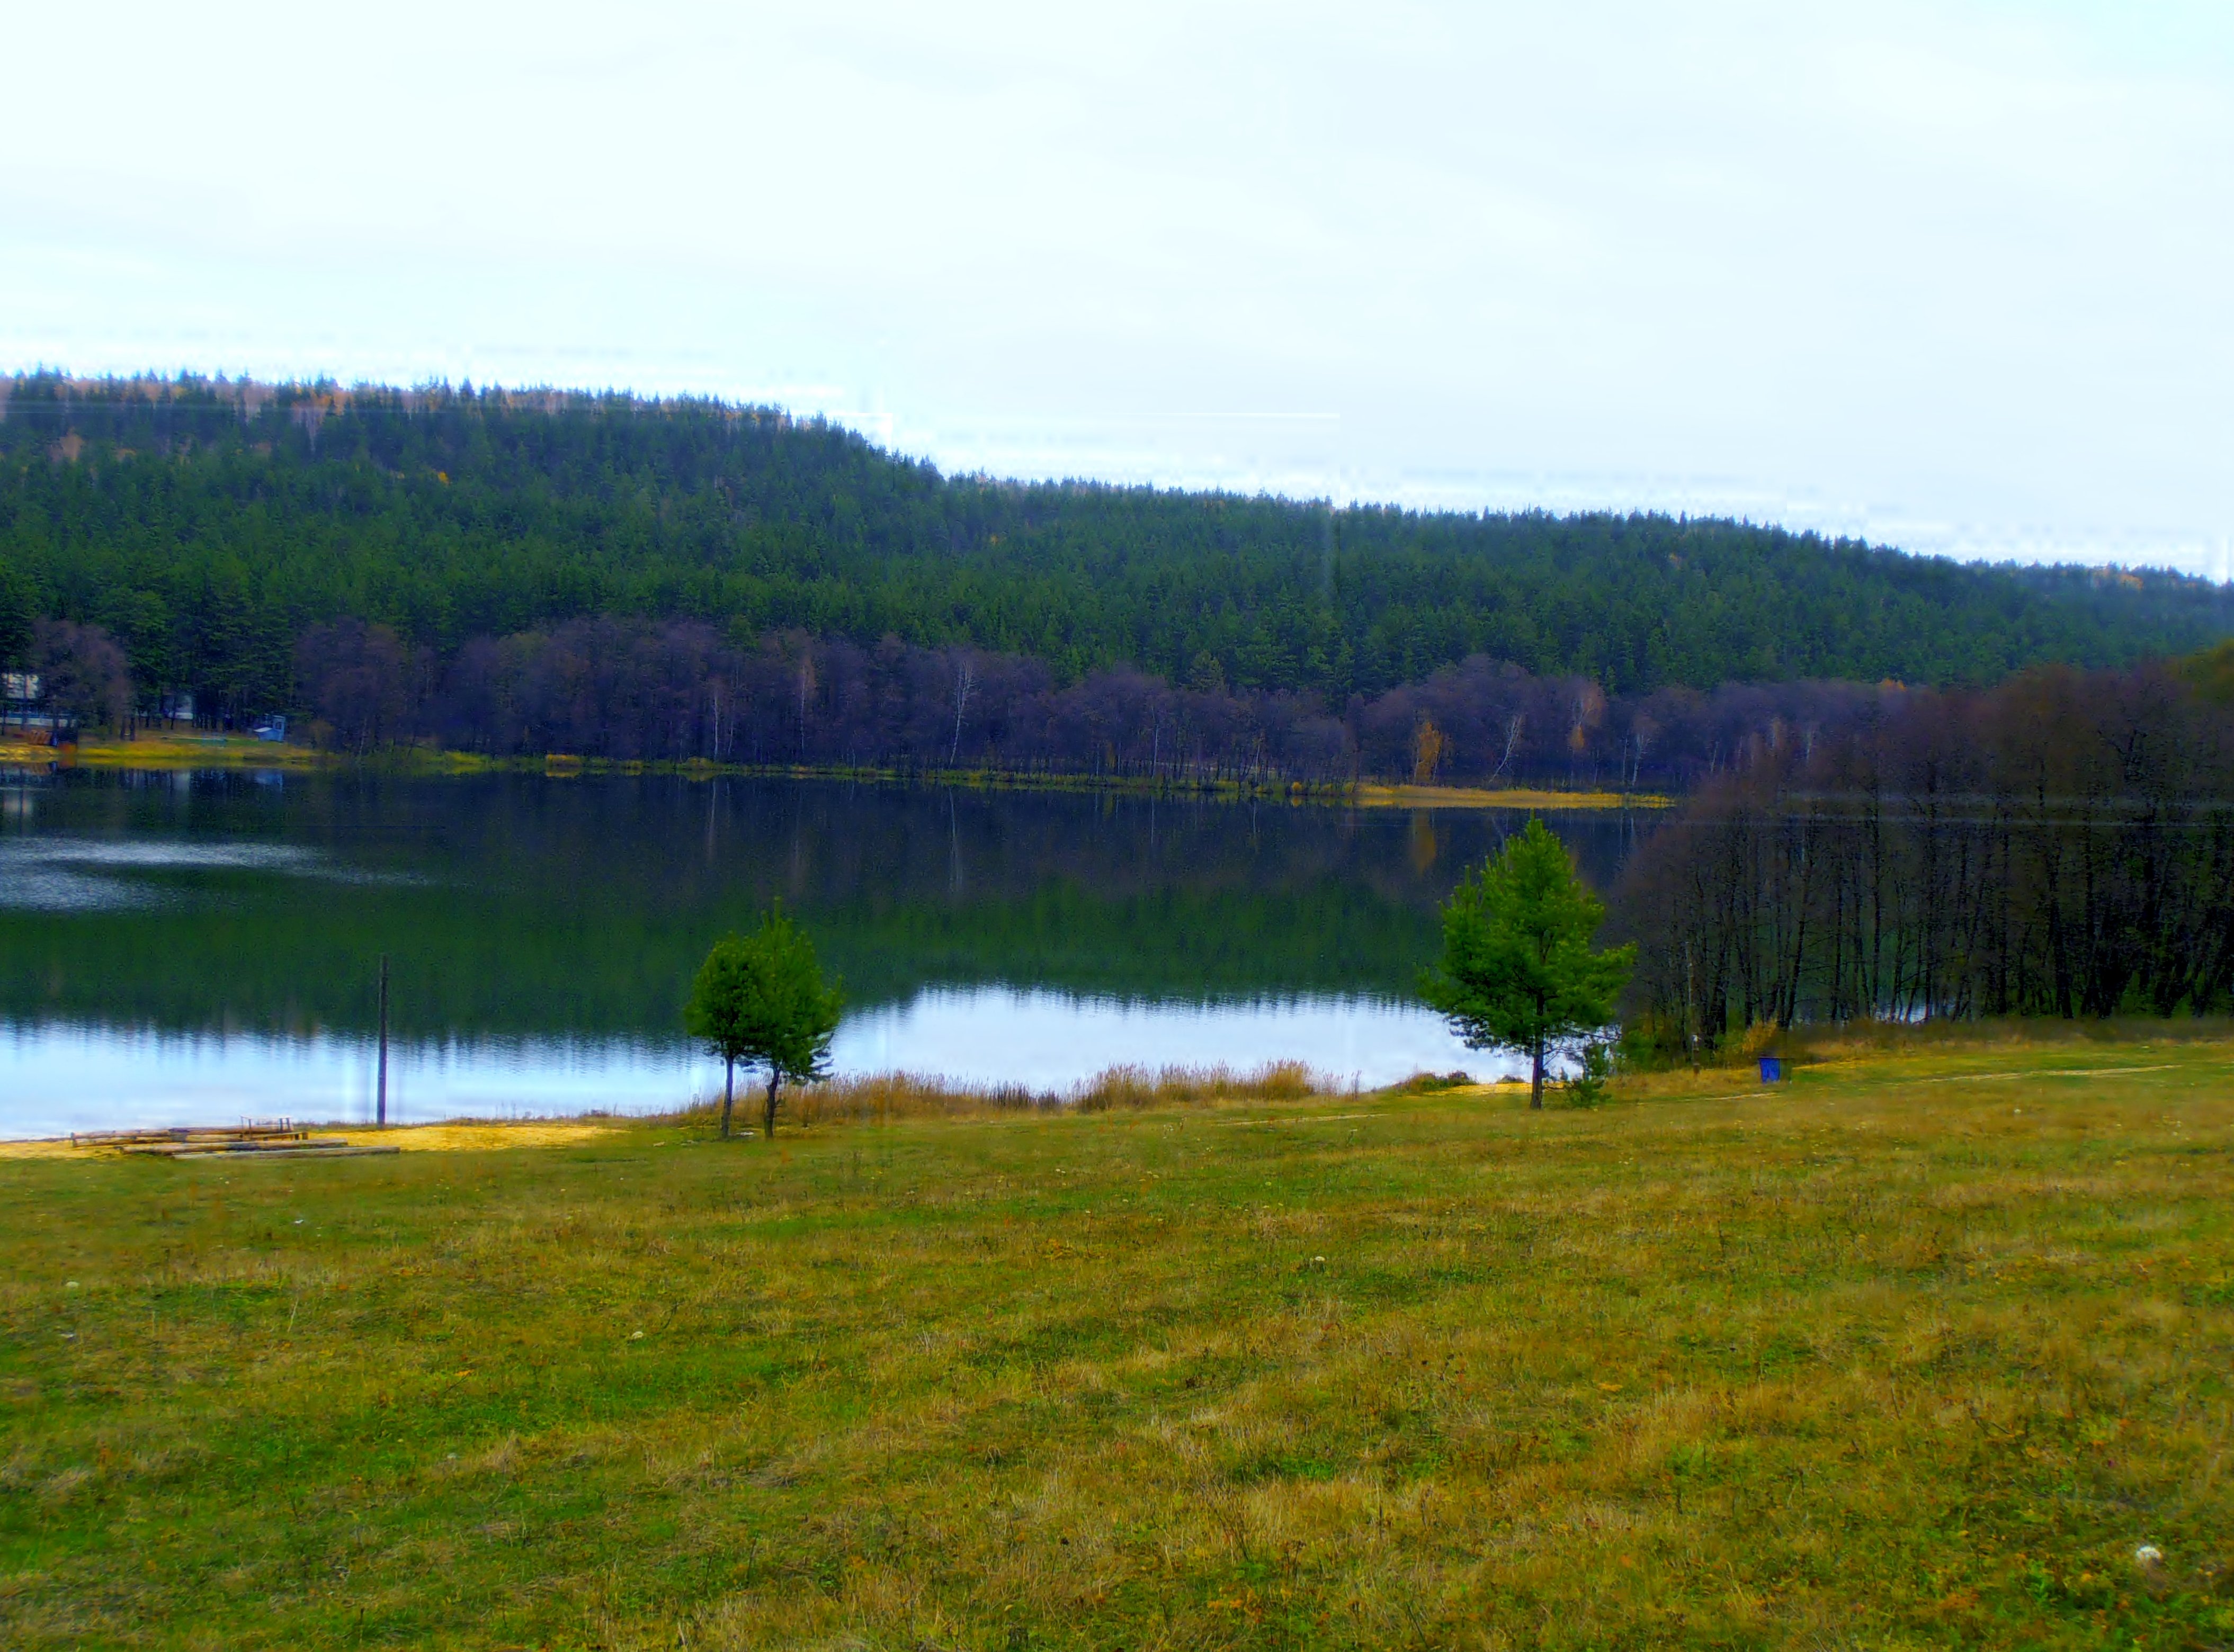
[[63, 874], [63, 1076], [204, 947], [1049, 1041]]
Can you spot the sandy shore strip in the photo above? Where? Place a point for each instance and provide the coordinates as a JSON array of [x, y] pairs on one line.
[[481, 1137], [1367, 795]]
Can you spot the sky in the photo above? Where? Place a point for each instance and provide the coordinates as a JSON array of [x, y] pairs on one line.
[[1958, 277]]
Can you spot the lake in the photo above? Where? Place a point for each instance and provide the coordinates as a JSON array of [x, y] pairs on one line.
[[204, 947]]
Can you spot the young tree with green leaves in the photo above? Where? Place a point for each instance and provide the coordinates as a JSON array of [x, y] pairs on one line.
[[761, 999], [1518, 969]]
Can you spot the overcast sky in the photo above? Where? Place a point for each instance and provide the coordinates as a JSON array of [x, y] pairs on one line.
[[1958, 276]]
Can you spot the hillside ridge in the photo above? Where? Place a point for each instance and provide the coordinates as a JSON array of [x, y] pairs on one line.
[[207, 524]]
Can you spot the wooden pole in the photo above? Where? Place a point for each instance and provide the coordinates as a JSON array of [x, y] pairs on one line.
[[382, 1116]]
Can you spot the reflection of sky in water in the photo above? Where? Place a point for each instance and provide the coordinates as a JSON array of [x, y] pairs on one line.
[[1050, 1040], [144, 852], [31, 887], [67, 874], [69, 1076]]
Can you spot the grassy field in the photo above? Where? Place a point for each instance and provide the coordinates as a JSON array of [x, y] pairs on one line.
[[1915, 1351]]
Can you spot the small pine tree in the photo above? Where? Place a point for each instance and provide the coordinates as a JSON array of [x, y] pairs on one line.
[[1518, 969], [761, 999]]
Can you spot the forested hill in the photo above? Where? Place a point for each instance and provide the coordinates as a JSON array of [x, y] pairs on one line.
[[207, 524]]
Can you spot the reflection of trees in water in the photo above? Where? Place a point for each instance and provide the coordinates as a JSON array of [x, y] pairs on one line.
[[2061, 845], [519, 905], [1424, 847]]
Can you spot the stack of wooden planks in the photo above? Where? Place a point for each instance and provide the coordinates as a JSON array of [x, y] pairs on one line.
[[283, 1139]]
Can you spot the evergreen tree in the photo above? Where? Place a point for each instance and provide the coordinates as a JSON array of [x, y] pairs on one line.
[[761, 999], [1518, 968]]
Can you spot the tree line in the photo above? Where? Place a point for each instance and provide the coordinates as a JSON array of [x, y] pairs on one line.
[[2062, 844], [205, 526], [678, 691]]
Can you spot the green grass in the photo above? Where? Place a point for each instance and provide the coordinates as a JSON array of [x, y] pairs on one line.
[[1902, 1354]]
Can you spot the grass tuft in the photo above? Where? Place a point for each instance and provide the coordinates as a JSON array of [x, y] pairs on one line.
[[883, 1097]]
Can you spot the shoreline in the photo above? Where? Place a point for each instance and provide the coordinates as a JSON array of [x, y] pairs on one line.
[[473, 1135], [2035, 1050], [170, 753]]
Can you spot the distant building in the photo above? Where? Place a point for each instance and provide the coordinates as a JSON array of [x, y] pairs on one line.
[[19, 692]]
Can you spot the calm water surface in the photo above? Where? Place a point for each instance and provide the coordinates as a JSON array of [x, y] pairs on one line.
[[201, 947]]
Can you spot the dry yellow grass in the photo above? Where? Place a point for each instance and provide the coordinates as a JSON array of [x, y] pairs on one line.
[[883, 1097], [163, 750], [1367, 795], [41, 1149], [483, 1137], [477, 1137]]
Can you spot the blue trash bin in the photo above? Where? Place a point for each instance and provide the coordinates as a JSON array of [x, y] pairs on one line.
[[1772, 1070]]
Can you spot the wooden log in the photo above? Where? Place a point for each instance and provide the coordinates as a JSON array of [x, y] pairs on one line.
[[300, 1149], [285, 1131], [210, 1147]]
